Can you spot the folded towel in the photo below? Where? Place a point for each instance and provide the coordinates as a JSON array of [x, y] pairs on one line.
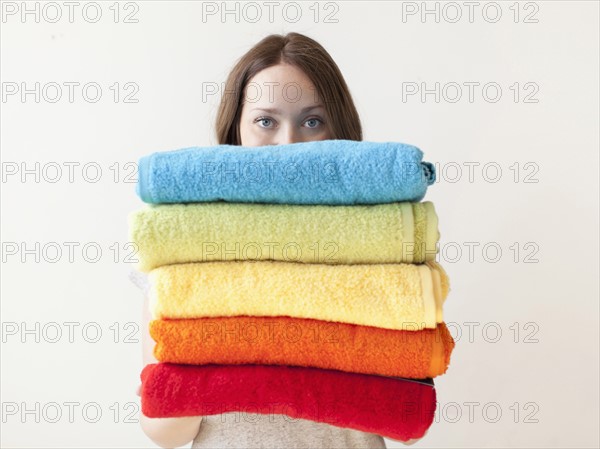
[[392, 296], [202, 232], [284, 340], [318, 172], [396, 408]]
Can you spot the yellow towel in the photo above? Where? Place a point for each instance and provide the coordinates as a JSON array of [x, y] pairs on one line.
[[393, 296], [219, 231]]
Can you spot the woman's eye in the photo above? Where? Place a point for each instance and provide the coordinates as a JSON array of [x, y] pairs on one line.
[[263, 120], [314, 121]]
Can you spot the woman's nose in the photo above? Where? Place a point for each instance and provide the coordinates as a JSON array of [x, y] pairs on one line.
[[288, 135]]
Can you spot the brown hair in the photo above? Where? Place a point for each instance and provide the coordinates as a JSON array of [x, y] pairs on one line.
[[307, 55]]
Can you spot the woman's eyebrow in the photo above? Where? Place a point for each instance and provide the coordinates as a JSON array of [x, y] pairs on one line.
[[277, 111]]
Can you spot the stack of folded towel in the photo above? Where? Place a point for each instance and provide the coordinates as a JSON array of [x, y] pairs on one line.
[[297, 279]]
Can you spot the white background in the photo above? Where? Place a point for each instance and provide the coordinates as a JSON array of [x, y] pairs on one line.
[[541, 372]]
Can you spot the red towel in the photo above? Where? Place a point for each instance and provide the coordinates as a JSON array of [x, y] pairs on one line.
[[392, 407]]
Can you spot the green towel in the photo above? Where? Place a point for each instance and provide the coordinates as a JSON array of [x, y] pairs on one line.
[[400, 232]]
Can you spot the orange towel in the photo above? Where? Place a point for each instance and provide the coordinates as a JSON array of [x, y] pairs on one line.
[[284, 340]]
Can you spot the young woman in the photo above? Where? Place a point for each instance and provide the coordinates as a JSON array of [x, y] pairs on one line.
[[285, 89]]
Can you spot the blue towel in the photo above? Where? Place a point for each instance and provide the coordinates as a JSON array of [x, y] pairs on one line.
[[333, 172]]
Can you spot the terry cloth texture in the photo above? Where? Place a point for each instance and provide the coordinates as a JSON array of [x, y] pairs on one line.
[[285, 340], [317, 172], [401, 409], [242, 429], [205, 232], [392, 296]]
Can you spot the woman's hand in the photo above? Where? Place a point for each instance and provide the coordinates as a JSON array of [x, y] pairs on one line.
[[164, 432], [171, 432]]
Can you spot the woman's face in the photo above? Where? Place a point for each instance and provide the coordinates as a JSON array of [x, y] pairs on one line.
[[280, 106]]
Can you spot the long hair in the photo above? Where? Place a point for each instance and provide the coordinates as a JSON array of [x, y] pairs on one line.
[[309, 56]]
